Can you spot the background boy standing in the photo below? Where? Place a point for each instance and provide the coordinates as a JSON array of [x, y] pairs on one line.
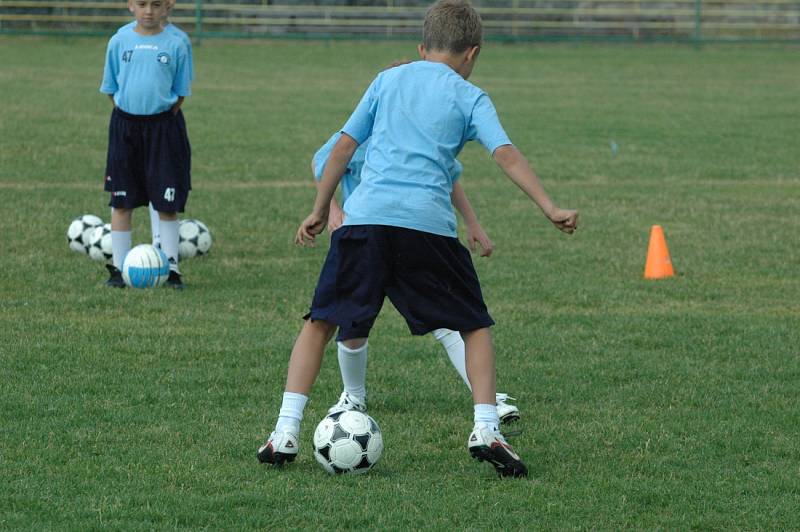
[[398, 238], [147, 76], [155, 221]]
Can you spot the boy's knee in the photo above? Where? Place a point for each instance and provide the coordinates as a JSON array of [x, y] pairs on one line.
[[354, 343], [322, 327]]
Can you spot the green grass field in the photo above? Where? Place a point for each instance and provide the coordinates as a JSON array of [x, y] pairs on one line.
[[667, 404]]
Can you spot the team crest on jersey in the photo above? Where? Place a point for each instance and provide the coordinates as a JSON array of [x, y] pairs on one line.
[[163, 58]]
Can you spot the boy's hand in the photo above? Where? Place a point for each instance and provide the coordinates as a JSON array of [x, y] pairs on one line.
[[477, 234], [313, 225], [564, 219]]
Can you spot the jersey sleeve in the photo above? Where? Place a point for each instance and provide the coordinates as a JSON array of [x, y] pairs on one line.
[[359, 125], [321, 157], [458, 168], [109, 84], [485, 125], [182, 84]]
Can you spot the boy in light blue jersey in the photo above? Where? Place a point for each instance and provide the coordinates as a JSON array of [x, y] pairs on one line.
[[155, 222], [147, 75], [353, 362], [398, 239]]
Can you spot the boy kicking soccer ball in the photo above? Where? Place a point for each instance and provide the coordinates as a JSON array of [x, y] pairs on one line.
[[352, 356], [399, 234]]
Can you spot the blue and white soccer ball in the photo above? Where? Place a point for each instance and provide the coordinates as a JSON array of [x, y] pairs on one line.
[[194, 239], [100, 243], [347, 442], [145, 266], [79, 231]]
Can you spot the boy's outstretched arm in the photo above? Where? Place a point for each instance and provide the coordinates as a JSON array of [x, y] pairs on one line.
[[337, 163], [475, 232], [517, 168]]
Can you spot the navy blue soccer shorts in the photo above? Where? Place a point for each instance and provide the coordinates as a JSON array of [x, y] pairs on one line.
[[149, 160], [430, 279]]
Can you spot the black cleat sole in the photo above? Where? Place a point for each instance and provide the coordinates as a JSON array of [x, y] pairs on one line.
[[511, 468], [277, 460]]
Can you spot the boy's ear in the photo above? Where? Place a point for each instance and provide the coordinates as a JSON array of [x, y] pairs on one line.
[[473, 52], [421, 50]]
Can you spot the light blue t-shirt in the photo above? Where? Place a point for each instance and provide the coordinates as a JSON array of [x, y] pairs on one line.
[[352, 174], [418, 117], [172, 28], [146, 73]]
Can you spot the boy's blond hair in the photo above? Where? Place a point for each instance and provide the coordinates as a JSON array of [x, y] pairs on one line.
[[452, 26]]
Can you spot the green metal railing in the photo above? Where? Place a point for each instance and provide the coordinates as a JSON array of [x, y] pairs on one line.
[[676, 20]]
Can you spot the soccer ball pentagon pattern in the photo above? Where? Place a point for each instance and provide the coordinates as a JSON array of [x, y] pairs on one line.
[[145, 266], [194, 239], [347, 442], [100, 243], [79, 231]]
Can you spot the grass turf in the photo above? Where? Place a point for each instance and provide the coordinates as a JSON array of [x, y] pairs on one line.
[[669, 404]]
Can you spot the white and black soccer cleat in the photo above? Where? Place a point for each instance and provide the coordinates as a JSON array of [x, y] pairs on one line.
[[508, 413], [490, 446], [280, 447], [349, 402]]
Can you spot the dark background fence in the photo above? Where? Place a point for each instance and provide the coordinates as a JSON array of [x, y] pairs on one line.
[[677, 20]]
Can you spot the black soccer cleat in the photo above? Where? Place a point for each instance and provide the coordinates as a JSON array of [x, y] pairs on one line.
[[490, 446], [174, 280], [280, 448], [115, 279]]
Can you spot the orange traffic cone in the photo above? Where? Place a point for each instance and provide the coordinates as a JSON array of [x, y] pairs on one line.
[[658, 264]]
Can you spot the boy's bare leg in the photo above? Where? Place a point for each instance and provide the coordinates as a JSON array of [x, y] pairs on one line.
[[121, 219], [306, 358], [485, 443], [480, 365], [120, 241], [304, 363]]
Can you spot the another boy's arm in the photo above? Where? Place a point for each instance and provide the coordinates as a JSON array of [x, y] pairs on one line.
[[177, 106], [517, 168], [336, 215], [337, 163], [475, 232]]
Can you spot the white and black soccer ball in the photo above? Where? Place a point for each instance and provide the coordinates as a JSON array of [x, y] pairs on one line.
[[79, 231], [145, 266], [194, 239], [347, 442], [100, 243]]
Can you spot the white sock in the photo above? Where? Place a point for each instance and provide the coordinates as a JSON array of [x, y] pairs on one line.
[[291, 412], [487, 415], [454, 345], [169, 242], [155, 226], [120, 246], [353, 367]]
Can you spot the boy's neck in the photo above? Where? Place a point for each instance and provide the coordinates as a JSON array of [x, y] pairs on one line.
[[148, 32], [462, 62]]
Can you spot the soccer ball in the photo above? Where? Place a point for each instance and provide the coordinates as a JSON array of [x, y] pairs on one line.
[[194, 239], [347, 442], [100, 243], [145, 266], [79, 231]]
